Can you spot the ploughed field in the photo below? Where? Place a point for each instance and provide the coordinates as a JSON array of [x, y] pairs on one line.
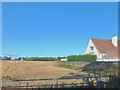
[[33, 69]]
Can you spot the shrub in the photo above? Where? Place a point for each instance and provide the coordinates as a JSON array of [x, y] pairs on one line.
[[86, 58]]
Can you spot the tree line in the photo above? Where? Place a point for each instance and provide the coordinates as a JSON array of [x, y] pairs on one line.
[[86, 58]]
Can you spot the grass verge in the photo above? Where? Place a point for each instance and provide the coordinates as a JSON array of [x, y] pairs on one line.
[[70, 67]]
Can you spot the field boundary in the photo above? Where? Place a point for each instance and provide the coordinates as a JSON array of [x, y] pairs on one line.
[[87, 81]]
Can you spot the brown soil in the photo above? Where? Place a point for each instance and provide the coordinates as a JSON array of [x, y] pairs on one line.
[[33, 69]]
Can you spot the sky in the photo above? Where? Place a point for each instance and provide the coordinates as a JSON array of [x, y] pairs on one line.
[[55, 29]]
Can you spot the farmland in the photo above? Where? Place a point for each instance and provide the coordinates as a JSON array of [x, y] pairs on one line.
[[45, 73], [34, 69], [24, 70]]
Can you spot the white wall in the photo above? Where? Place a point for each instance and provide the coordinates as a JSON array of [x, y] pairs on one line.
[[88, 49], [108, 60]]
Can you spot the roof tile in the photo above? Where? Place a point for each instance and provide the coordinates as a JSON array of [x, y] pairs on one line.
[[106, 46]]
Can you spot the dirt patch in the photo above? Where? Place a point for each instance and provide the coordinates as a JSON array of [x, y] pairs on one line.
[[33, 69]]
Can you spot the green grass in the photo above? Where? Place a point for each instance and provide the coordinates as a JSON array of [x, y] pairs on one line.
[[70, 67]]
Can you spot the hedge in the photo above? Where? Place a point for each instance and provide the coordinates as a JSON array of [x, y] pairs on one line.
[[41, 59], [86, 58]]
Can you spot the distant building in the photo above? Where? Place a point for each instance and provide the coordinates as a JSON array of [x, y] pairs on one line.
[[104, 49], [63, 59]]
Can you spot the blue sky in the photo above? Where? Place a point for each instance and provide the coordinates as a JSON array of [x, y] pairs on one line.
[[56, 29]]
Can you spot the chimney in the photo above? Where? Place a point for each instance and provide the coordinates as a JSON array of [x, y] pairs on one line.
[[114, 40]]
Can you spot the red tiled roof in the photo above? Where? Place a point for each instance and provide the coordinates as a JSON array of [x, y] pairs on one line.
[[106, 46]]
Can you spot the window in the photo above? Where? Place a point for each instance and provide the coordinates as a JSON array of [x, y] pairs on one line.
[[103, 55], [92, 48]]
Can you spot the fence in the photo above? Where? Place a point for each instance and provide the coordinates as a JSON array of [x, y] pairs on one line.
[[90, 80]]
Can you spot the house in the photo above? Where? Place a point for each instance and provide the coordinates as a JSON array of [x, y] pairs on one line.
[[104, 49]]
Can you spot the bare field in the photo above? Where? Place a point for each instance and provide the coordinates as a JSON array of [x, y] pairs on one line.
[[38, 69], [34, 69]]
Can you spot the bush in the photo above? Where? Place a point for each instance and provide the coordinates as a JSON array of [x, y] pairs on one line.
[[86, 58]]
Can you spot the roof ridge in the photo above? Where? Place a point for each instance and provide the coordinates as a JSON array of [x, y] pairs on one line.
[[104, 39], [101, 39]]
